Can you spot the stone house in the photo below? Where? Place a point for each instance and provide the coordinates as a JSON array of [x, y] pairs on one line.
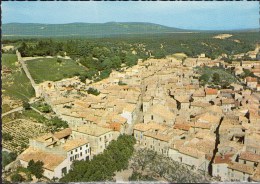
[[99, 137], [239, 172], [249, 158], [220, 165], [211, 94], [251, 82], [159, 114], [228, 105], [57, 152]]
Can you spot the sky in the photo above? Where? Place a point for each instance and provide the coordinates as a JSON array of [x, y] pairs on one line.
[[186, 15]]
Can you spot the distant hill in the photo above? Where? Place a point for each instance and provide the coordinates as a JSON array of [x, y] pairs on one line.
[[84, 29]]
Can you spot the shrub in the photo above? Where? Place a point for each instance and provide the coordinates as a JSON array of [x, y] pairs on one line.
[[93, 91], [26, 105], [17, 178]]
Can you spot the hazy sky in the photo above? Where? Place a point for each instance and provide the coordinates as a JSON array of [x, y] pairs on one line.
[[187, 15]]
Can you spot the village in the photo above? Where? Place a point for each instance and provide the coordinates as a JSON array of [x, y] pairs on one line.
[[162, 104]]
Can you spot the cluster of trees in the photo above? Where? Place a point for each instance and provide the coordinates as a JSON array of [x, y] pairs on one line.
[[103, 166], [102, 55], [157, 166], [57, 124], [33, 168], [216, 76]]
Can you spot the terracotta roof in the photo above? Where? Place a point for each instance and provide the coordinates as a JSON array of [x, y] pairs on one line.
[[130, 107], [183, 99], [251, 79], [51, 161], [200, 104], [151, 125], [219, 159], [191, 152], [202, 125], [158, 136], [115, 126], [63, 133], [211, 91], [228, 101], [93, 130], [74, 143], [241, 167], [250, 156], [182, 127], [162, 111], [199, 93]]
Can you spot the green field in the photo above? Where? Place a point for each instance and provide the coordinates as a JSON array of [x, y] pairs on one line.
[[9, 60], [16, 85], [48, 69]]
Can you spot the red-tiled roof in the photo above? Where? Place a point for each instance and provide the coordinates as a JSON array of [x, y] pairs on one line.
[[211, 91]]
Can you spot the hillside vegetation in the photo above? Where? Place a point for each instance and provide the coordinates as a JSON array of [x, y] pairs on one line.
[[83, 29]]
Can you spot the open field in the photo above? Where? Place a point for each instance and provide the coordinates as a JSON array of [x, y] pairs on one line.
[[48, 69], [15, 84], [9, 60]]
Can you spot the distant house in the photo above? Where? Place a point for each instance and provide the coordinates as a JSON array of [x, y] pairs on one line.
[[211, 94], [239, 172], [251, 82]]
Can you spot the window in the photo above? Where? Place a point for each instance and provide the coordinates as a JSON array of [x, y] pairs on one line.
[[100, 139], [76, 150], [71, 158], [80, 148], [81, 154], [86, 145], [151, 117], [86, 151]]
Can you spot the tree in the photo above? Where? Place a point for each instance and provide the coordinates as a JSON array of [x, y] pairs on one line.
[[216, 78], [36, 168], [58, 123], [26, 105], [17, 178], [7, 158], [103, 166]]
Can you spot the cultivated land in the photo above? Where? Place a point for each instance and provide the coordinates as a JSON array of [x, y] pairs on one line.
[[48, 69]]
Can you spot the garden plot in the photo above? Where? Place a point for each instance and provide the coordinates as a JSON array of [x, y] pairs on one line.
[[21, 131]]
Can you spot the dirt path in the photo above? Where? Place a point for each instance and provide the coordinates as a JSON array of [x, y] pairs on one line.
[[21, 108], [20, 59]]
